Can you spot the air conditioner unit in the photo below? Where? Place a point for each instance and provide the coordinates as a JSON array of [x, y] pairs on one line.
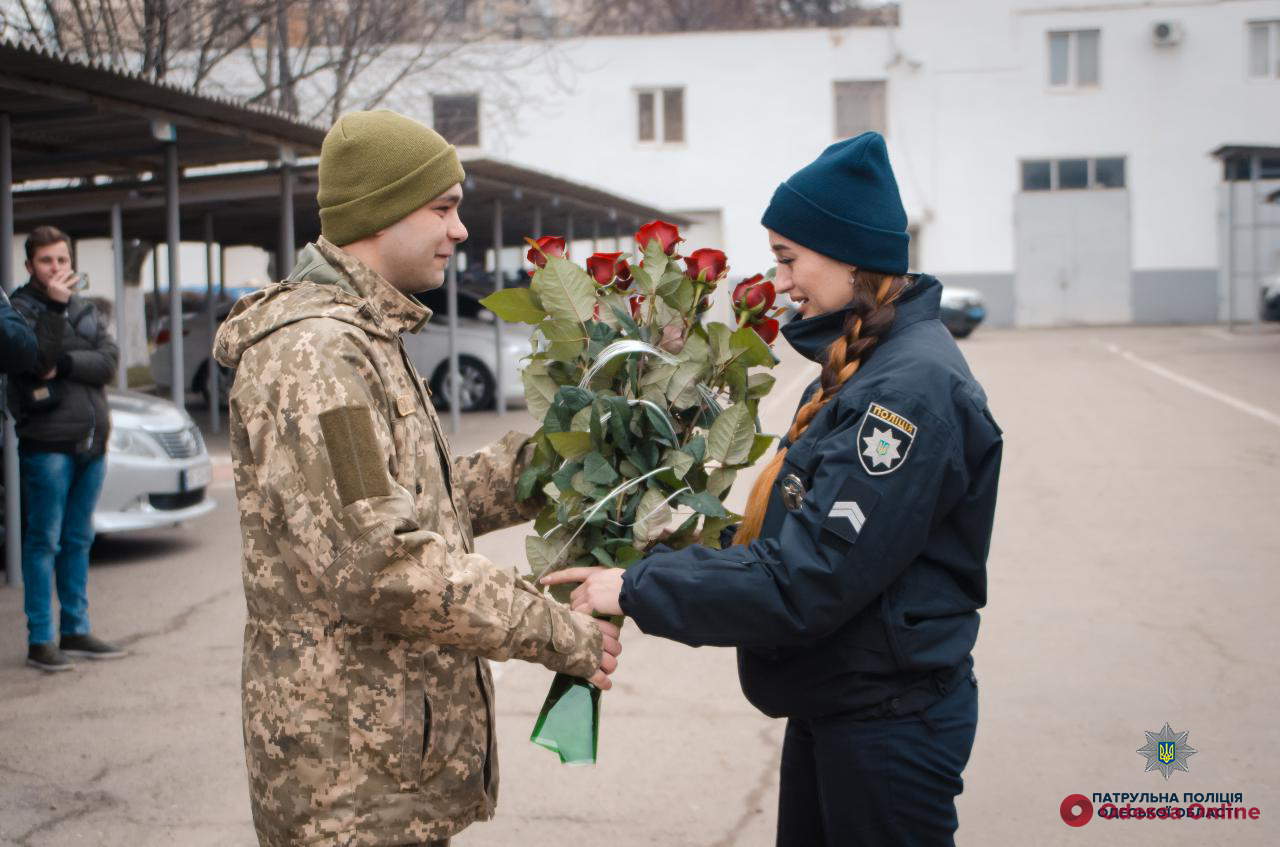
[[1166, 33]]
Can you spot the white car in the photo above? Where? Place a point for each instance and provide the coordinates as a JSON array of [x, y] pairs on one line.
[[428, 350], [158, 470]]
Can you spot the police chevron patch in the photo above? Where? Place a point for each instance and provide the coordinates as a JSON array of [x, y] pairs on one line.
[[850, 511]]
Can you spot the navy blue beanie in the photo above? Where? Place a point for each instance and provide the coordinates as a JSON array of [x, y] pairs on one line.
[[845, 205]]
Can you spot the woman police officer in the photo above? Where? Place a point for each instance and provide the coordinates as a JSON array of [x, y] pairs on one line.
[[853, 584]]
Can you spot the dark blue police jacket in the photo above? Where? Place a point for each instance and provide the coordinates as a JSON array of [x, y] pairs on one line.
[[871, 563]]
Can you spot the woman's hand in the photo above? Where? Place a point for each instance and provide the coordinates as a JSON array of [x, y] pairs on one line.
[[598, 593]]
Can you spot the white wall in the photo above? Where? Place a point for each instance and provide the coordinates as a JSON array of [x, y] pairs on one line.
[[758, 106], [981, 98]]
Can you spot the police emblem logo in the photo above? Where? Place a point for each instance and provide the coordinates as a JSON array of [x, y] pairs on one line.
[[792, 492], [1167, 751], [884, 440]]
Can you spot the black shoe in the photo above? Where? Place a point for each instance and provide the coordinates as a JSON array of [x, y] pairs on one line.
[[49, 658], [90, 647]]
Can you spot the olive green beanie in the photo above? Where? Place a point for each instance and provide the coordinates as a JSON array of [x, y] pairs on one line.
[[376, 168]]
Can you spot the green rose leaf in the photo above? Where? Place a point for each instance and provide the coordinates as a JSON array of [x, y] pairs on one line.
[[682, 392], [539, 391], [652, 517], [679, 461], [518, 305], [711, 529], [719, 335], [750, 348], [529, 480], [596, 469], [661, 424], [571, 445], [758, 447], [760, 384], [566, 339], [730, 438], [719, 481], [704, 503], [697, 448], [540, 552], [565, 290]]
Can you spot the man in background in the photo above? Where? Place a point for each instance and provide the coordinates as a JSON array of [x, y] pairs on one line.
[[62, 423]]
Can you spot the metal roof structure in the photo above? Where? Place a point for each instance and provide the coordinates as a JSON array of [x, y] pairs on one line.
[[245, 206], [71, 118]]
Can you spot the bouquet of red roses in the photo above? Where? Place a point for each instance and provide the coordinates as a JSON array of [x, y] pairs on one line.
[[648, 413]]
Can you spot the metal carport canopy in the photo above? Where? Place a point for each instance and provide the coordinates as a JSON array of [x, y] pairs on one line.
[[64, 119], [245, 204]]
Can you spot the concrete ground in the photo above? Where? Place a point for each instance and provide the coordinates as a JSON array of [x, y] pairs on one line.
[[1132, 583]]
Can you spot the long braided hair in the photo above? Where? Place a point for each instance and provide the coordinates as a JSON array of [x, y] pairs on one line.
[[872, 314]]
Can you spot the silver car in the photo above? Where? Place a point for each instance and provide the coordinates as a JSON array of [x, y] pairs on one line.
[[158, 469], [478, 360]]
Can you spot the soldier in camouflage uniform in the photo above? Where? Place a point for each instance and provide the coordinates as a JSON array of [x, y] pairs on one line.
[[367, 698]]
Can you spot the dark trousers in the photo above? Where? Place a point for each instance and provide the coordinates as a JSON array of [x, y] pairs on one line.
[[873, 782]]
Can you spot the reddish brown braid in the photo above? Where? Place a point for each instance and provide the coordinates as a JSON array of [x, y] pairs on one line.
[[872, 315]]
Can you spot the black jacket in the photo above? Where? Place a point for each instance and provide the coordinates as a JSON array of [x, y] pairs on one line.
[[868, 586], [24, 349], [80, 420]]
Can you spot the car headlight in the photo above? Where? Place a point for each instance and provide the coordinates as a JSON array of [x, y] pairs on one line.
[[133, 442]]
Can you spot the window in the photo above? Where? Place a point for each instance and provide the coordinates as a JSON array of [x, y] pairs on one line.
[[660, 115], [456, 11], [1074, 58], [457, 118], [1072, 174], [1240, 168], [859, 107], [1264, 49]]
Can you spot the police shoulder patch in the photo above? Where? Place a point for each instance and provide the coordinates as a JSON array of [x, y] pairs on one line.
[[884, 440]]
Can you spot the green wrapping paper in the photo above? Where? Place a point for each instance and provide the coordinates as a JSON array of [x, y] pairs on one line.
[[569, 722]]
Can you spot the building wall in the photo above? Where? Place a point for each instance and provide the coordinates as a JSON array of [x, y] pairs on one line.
[[968, 99]]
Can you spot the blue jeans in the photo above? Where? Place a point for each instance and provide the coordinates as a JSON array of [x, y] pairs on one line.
[[889, 782], [59, 493]]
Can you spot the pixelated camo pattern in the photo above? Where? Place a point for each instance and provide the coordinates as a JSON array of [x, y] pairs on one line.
[[367, 698]]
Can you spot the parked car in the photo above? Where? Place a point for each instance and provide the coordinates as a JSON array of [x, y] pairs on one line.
[[428, 350], [158, 469], [1271, 298], [477, 352], [196, 343], [962, 310]]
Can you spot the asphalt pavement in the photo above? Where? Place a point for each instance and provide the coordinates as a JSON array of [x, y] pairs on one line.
[[1132, 583]]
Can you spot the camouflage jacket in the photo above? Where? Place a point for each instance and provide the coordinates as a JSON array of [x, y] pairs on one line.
[[367, 700]]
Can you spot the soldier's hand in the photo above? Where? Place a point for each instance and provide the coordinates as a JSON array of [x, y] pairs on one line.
[[609, 657]]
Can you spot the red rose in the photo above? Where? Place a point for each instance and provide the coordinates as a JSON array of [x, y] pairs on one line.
[[754, 295], [706, 265], [767, 330], [666, 234], [548, 245], [635, 306], [624, 275], [603, 267], [704, 305]]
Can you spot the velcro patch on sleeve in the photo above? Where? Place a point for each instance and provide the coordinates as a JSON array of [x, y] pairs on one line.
[[851, 510], [406, 404], [354, 453]]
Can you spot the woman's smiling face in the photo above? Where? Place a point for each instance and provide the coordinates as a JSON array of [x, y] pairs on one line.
[[815, 283]]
